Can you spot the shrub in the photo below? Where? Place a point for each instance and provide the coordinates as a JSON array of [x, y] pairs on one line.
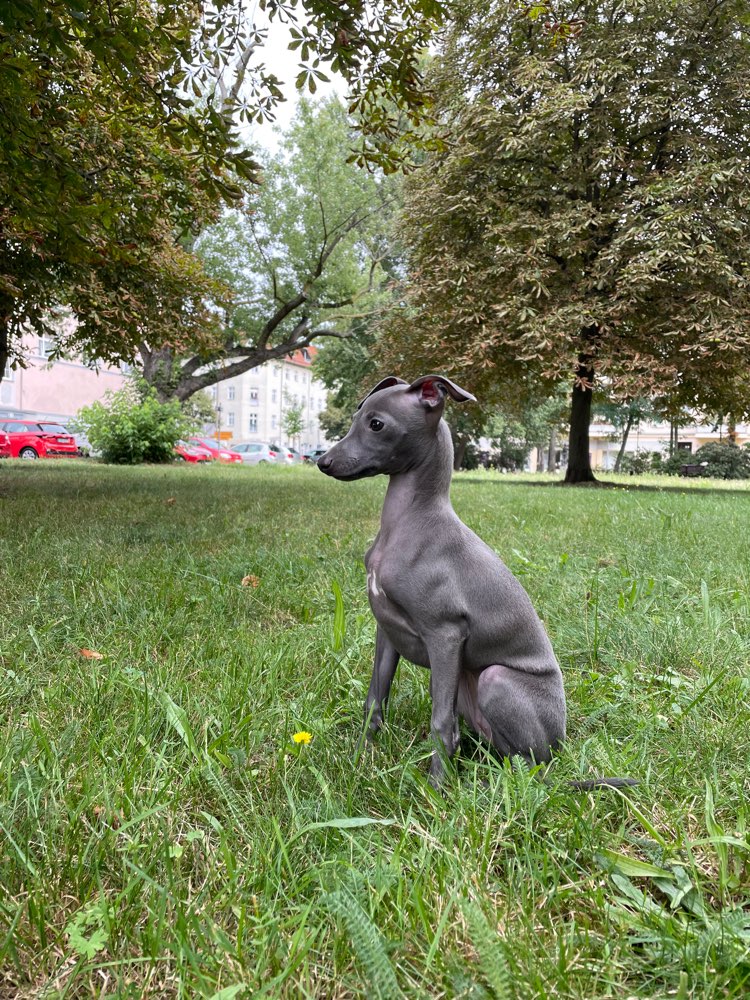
[[723, 461], [131, 426], [671, 465], [636, 463]]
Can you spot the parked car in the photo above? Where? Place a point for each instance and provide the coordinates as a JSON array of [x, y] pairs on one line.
[[286, 455], [185, 452], [258, 452], [4, 445], [313, 455], [85, 450], [296, 457], [216, 450], [39, 439]]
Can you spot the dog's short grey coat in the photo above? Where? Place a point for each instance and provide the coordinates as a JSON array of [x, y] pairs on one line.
[[442, 598]]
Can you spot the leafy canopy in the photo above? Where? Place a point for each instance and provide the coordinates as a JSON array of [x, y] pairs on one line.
[[591, 203], [121, 137], [302, 256]]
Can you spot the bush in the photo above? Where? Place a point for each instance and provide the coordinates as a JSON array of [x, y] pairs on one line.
[[131, 426], [636, 463], [671, 466], [723, 461]]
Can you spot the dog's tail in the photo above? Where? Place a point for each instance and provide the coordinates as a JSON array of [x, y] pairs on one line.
[[589, 783]]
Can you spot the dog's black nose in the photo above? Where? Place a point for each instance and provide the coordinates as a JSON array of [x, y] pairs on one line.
[[325, 463]]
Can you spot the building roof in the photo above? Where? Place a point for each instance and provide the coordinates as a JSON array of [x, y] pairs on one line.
[[305, 356]]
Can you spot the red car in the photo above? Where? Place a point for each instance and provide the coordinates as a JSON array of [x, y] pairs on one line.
[[216, 450], [39, 439], [4, 445], [191, 453]]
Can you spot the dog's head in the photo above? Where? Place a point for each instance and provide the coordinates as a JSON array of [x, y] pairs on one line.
[[393, 428]]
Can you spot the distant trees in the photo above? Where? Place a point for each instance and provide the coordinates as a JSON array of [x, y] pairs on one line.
[[589, 216]]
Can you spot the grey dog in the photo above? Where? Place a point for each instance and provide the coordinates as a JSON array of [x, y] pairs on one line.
[[442, 598]]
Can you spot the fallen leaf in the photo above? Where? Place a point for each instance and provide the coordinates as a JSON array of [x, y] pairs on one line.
[[250, 580], [91, 654], [169, 501]]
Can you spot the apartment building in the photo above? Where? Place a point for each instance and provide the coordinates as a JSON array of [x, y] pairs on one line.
[[252, 406]]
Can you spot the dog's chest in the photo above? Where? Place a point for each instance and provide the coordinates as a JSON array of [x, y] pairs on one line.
[[391, 608]]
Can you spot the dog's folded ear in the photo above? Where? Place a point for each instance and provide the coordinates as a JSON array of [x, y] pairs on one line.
[[385, 383], [434, 388]]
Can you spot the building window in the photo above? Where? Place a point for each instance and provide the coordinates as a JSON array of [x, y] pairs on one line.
[[8, 374], [305, 354], [230, 418], [274, 423], [254, 396], [273, 395], [214, 391], [230, 392], [252, 423], [46, 345]]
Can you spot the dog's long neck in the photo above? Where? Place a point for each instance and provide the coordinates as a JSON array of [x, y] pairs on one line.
[[423, 489]]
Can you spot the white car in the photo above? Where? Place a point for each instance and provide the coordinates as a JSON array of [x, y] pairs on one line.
[[258, 452]]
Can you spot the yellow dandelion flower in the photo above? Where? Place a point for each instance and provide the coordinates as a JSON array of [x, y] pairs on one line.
[[302, 737]]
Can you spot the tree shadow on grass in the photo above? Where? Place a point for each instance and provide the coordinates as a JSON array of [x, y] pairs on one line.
[[600, 484]]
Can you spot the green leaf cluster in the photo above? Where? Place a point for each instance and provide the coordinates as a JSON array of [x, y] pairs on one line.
[[723, 460]]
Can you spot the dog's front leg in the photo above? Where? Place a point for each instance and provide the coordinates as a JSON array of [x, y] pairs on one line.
[[445, 670], [383, 672]]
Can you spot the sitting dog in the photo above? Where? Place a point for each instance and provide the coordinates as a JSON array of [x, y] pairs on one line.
[[442, 598]]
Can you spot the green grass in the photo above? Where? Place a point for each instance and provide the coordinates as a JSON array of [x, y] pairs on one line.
[[161, 835]]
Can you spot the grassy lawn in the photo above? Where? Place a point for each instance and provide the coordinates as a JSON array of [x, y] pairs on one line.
[[161, 835]]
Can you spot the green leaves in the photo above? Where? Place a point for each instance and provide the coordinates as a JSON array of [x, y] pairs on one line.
[[87, 932]]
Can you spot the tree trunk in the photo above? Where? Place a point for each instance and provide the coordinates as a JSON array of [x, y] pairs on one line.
[[3, 348], [539, 458], [552, 451], [579, 457], [731, 429], [459, 450], [6, 311], [625, 433], [157, 371]]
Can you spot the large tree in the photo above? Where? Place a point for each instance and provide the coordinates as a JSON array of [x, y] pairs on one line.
[[119, 137], [589, 216], [302, 257]]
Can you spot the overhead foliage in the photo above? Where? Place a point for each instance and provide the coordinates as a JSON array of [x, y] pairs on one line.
[[590, 217], [302, 257], [119, 140]]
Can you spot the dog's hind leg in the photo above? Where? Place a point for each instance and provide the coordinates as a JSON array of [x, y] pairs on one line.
[[525, 712]]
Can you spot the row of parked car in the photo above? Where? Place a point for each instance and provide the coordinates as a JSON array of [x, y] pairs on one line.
[[32, 439], [246, 452]]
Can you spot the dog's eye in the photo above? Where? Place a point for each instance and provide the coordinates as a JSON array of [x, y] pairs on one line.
[[376, 425]]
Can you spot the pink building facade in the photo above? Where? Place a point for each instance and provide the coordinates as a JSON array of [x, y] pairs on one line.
[[54, 391]]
